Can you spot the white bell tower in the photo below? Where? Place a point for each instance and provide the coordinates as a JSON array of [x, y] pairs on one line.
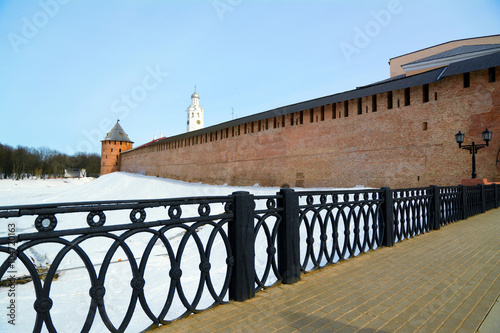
[[194, 113]]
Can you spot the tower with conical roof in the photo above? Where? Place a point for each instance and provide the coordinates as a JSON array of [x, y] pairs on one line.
[[194, 113], [115, 142]]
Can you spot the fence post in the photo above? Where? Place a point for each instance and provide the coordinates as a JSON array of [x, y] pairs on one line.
[[242, 239], [463, 197], [388, 217], [288, 237], [483, 198], [436, 208]]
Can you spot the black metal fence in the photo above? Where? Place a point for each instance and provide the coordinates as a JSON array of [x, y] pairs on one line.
[[181, 256]]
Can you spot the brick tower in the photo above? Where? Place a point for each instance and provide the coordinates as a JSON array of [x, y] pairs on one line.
[[115, 142]]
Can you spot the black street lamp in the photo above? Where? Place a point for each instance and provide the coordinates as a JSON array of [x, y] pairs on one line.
[[473, 148]]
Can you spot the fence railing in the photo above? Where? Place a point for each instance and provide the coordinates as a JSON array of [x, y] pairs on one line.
[[136, 265]]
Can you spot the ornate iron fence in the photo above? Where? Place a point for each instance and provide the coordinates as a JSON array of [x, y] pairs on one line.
[[450, 204], [268, 217], [154, 261], [338, 225], [412, 215], [165, 243], [490, 199], [473, 200]]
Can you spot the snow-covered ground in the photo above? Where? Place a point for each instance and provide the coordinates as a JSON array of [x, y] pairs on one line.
[[70, 292]]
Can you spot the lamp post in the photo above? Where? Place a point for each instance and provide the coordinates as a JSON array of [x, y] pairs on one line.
[[473, 148]]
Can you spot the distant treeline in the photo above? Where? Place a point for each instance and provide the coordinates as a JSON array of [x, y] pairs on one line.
[[24, 162]]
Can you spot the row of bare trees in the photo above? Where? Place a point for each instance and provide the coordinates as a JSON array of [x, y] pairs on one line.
[[24, 162]]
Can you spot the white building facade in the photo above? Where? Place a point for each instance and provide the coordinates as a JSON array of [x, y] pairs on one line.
[[194, 113]]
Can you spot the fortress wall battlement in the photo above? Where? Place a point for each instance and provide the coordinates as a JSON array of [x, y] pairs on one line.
[[406, 141]]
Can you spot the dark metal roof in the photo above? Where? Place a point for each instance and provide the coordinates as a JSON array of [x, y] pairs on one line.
[[117, 134], [462, 50], [471, 65], [448, 42], [396, 83]]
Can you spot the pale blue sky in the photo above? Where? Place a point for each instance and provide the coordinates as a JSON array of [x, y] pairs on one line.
[[69, 69]]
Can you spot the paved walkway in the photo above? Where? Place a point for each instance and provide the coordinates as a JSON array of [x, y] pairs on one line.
[[444, 281]]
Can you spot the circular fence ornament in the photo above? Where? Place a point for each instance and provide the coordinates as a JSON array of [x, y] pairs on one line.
[[204, 209], [44, 223], [43, 304], [97, 292], [309, 200], [175, 212], [175, 273], [91, 219], [271, 250], [205, 266], [323, 199], [228, 207], [133, 215], [230, 261], [270, 203], [137, 283]]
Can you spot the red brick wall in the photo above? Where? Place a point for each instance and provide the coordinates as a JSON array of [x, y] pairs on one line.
[[406, 146]]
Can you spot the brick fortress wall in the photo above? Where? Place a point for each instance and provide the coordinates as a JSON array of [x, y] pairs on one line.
[[334, 145]]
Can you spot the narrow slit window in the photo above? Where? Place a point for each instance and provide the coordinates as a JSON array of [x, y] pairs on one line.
[[334, 111], [311, 114], [374, 103], [346, 108], [389, 100], [407, 96], [466, 80], [491, 75], [322, 112], [425, 93], [360, 106]]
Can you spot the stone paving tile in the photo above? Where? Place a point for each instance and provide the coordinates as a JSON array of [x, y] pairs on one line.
[[444, 280]]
